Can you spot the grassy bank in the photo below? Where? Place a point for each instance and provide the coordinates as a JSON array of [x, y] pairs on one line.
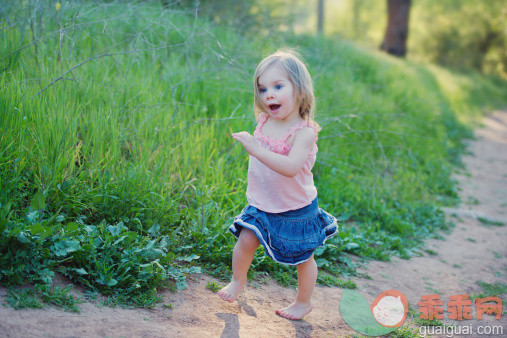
[[118, 170]]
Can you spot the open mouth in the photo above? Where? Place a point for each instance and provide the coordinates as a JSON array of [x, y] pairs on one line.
[[274, 107]]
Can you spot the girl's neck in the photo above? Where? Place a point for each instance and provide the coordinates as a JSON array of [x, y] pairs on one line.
[[286, 123], [278, 128]]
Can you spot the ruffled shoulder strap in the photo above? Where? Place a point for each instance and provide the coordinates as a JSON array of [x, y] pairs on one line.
[[262, 120], [292, 131], [315, 128]]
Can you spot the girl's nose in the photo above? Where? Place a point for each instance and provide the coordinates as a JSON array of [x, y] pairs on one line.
[[269, 94]]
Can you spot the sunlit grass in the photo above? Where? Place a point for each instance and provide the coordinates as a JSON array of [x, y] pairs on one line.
[[139, 133]]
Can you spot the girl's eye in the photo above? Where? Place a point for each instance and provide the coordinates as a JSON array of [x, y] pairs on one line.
[[262, 90], [278, 87]]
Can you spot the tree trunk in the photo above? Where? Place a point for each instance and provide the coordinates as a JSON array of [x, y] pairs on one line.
[[395, 38], [320, 16]]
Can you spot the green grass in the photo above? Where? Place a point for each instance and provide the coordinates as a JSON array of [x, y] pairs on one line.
[[431, 252], [23, 299], [213, 286], [496, 289], [427, 322], [405, 331], [329, 280], [117, 167], [472, 201], [432, 290], [487, 221], [43, 294]]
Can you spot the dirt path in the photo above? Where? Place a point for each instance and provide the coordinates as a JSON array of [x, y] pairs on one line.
[[473, 251]]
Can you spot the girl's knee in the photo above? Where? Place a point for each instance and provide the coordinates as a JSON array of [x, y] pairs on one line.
[[309, 263], [248, 238]]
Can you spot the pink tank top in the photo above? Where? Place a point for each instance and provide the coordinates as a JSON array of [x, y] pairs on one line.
[[272, 192]]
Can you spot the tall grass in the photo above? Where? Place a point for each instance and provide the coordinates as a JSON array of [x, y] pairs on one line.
[[120, 113]]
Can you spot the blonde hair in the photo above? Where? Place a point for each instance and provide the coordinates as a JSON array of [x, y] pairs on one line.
[[292, 64]]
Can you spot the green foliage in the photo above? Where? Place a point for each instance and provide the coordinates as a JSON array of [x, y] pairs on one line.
[[23, 299], [431, 252], [244, 15], [496, 289], [436, 30], [427, 322], [487, 221], [213, 286], [117, 167], [111, 259], [59, 297], [405, 331], [481, 44], [333, 281], [45, 293], [119, 262], [24, 255]]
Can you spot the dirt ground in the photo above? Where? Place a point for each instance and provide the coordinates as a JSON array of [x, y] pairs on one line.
[[473, 251]]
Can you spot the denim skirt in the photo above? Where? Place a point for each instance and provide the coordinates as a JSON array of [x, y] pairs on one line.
[[289, 237]]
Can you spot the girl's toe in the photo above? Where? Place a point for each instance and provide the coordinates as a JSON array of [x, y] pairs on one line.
[[281, 313], [223, 295]]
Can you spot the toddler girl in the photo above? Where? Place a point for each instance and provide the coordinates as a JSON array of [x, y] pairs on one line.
[[282, 212]]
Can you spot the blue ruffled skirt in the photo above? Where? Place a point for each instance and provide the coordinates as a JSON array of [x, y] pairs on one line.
[[289, 237]]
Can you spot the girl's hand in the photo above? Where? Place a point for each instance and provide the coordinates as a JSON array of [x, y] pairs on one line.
[[287, 165], [248, 141]]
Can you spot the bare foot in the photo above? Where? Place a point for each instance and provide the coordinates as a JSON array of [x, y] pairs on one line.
[[296, 310], [230, 292]]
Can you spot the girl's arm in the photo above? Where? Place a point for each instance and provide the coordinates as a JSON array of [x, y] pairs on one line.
[[289, 165]]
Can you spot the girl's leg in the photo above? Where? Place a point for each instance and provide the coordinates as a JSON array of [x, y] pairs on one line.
[[242, 257], [307, 277]]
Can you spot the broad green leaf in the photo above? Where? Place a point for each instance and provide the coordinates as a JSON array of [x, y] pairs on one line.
[[72, 227], [351, 246], [188, 258], [32, 216], [64, 247], [39, 229], [319, 251], [115, 230], [5, 215], [153, 231], [38, 201], [322, 262], [112, 282], [73, 245], [121, 239], [23, 237]]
